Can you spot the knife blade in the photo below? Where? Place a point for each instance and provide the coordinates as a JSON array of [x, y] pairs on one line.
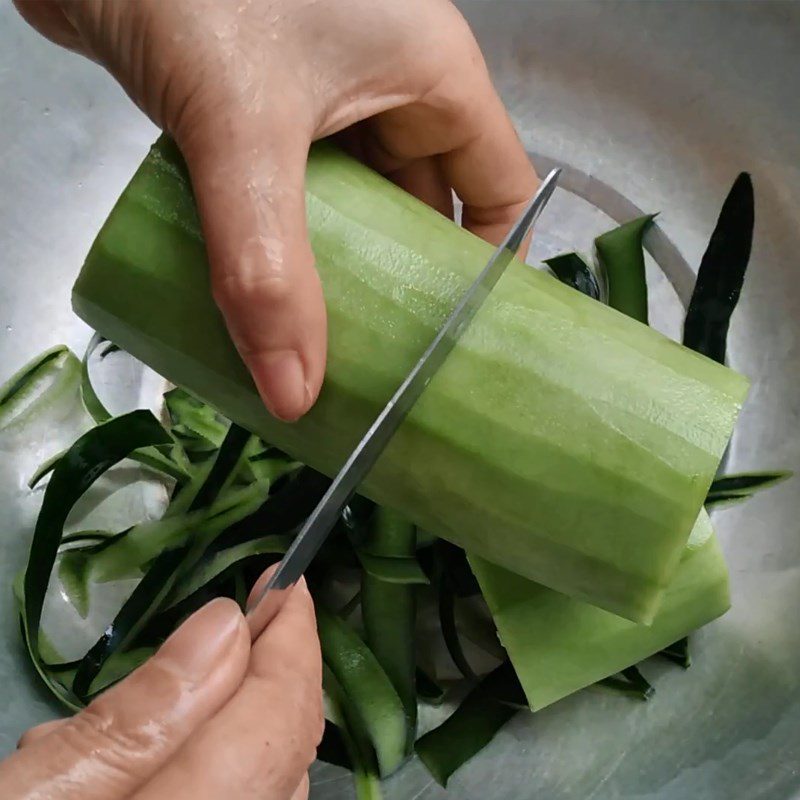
[[269, 597]]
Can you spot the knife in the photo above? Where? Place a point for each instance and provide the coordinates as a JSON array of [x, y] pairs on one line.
[[267, 600]]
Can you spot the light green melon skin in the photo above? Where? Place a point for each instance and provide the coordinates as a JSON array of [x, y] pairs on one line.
[[559, 645], [560, 439]]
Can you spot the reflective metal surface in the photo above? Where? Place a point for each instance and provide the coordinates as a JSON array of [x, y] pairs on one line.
[[661, 104]]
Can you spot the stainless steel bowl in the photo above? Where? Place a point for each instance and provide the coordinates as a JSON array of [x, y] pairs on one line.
[[660, 104]]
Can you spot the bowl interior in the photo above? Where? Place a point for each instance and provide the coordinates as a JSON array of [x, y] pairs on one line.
[[651, 107]]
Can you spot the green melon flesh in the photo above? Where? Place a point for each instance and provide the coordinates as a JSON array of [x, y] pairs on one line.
[[559, 645], [561, 439]]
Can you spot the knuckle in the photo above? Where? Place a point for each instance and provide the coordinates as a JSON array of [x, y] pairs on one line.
[[38, 732], [267, 287], [463, 48], [96, 731], [123, 730]]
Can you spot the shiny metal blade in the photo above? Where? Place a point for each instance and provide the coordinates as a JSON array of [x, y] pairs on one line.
[[322, 520]]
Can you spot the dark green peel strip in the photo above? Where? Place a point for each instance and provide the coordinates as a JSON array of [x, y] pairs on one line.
[[91, 537], [149, 457], [631, 682], [447, 620], [468, 730], [333, 748], [747, 483], [621, 255], [217, 564], [240, 591], [373, 700], [388, 608], [284, 510], [197, 424], [44, 469], [57, 684], [725, 499], [572, 270], [118, 667], [136, 612], [721, 274], [223, 468], [126, 554], [404, 571], [427, 688], [91, 402], [639, 682], [91, 455], [731, 490], [350, 606], [456, 570], [167, 568], [20, 380], [23, 393], [145, 613], [73, 573], [678, 653], [444, 575], [109, 349], [425, 539], [349, 733], [505, 687]]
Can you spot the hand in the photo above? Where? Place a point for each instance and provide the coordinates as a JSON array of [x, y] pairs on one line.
[[244, 86], [207, 717]]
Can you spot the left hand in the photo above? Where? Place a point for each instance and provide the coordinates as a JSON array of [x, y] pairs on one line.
[[244, 87], [208, 717]]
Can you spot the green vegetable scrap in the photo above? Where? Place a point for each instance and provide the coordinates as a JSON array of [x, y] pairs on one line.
[[41, 381], [573, 271], [471, 727], [621, 255], [721, 274], [388, 606]]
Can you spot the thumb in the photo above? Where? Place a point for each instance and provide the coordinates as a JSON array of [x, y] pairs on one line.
[[249, 182], [121, 739]]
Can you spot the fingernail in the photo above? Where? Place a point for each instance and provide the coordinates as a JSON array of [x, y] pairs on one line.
[[258, 586], [199, 644], [263, 608], [281, 380]]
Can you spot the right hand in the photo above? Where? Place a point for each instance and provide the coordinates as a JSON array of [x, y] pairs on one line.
[[207, 717], [245, 86]]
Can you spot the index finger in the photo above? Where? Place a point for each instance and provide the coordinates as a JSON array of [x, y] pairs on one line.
[[263, 741], [490, 172], [465, 126]]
